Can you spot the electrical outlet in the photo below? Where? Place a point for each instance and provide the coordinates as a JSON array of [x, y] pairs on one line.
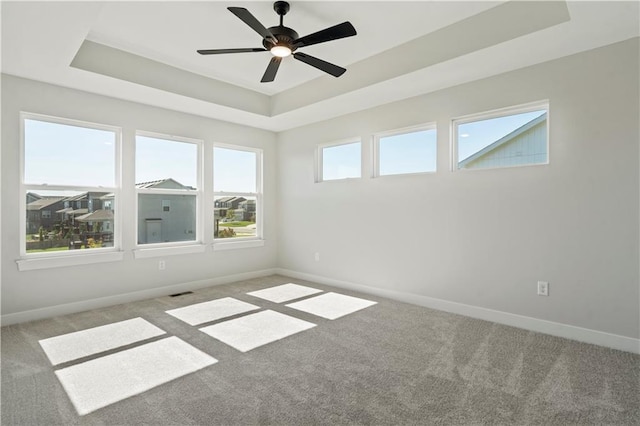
[[317, 257], [543, 288], [161, 265]]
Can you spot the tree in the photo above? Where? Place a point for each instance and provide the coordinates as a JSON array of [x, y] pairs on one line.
[[231, 214]]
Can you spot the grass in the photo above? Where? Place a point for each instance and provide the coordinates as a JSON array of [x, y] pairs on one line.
[[237, 224], [48, 249]]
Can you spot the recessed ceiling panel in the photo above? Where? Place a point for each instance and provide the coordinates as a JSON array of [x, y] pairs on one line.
[[171, 32]]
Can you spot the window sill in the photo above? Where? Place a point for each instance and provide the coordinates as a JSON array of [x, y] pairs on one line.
[[145, 253], [233, 245], [70, 260]]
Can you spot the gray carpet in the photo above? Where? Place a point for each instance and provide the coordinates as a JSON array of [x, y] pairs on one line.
[[391, 363]]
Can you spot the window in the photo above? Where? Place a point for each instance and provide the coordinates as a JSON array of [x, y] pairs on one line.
[[168, 185], [340, 161], [512, 137], [406, 151], [69, 171], [237, 183]]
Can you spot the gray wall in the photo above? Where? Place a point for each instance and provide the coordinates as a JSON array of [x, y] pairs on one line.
[[485, 237], [29, 290]]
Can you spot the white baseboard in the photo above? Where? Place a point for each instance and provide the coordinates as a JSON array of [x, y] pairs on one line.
[[586, 335], [102, 302]]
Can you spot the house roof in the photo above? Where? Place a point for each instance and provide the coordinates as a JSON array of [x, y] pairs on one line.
[[96, 216], [84, 196], [504, 140], [78, 211], [42, 203], [157, 183]]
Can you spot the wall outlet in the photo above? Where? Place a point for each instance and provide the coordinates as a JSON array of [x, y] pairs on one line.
[[317, 257], [161, 265], [543, 288]]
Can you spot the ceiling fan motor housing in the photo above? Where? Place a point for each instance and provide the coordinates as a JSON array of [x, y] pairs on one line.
[[284, 35]]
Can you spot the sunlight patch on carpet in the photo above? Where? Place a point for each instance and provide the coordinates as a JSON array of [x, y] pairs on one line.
[[252, 331], [79, 344], [212, 310], [103, 381], [284, 292], [331, 305]]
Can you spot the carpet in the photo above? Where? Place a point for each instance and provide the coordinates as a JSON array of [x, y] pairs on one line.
[[389, 364]]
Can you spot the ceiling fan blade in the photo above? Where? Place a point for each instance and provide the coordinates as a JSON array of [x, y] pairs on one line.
[[241, 50], [332, 33], [251, 21], [325, 66], [272, 69]]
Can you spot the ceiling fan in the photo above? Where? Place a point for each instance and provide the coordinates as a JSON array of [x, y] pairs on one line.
[[282, 41]]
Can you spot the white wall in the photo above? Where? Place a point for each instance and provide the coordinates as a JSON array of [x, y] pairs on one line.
[[38, 289], [485, 237]]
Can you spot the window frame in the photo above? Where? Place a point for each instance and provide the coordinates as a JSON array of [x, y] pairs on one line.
[[29, 261], [319, 175], [396, 132], [172, 247], [497, 113], [241, 242]]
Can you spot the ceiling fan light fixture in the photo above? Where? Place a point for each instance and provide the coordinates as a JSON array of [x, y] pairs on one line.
[[280, 51], [282, 41]]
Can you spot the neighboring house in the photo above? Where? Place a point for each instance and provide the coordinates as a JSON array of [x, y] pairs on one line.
[[46, 212], [79, 205], [165, 217], [228, 202], [243, 209], [86, 202], [42, 213], [248, 208], [525, 145], [32, 196]]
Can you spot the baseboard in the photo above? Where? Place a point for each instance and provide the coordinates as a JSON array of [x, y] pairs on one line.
[[102, 302], [614, 341]]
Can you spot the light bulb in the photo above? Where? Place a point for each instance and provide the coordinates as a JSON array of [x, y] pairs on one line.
[[280, 51]]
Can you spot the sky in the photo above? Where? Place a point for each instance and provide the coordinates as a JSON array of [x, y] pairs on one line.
[[341, 161], [413, 152], [234, 170], [158, 159], [58, 154]]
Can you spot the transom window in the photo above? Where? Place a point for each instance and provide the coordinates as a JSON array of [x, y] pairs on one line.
[[515, 136], [406, 151], [69, 177], [237, 198], [168, 189], [340, 161]]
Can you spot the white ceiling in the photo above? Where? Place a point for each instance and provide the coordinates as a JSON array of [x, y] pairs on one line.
[[402, 49]]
